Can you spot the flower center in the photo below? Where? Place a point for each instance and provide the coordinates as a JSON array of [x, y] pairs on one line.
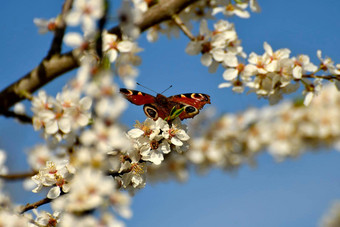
[[137, 168], [206, 47], [154, 145], [240, 67], [230, 7], [51, 26]]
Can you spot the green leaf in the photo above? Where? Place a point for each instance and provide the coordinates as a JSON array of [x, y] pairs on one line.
[[106, 62], [174, 113], [178, 112], [239, 1]]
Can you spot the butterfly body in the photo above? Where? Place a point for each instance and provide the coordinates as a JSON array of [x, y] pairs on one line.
[[161, 106]]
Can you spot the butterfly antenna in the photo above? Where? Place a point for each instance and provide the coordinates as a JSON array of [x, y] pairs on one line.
[[146, 87], [166, 89]]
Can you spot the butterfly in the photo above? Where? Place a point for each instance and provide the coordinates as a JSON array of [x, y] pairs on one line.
[[162, 106]]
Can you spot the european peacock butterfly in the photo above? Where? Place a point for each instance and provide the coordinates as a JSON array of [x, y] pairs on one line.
[[162, 106]]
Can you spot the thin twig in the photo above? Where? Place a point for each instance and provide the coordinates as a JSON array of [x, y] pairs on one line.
[[116, 174], [182, 26], [326, 77], [17, 176], [101, 24], [60, 30], [30, 206]]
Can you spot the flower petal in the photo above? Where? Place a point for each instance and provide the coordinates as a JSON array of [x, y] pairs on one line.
[[193, 48], [230, 60], [125, 46], [308, 98], [176, 141], [135, 133], [182, 135], [53, 193], [73, 39], [297, 72], [65, 125], [85, 103], [230, 74], [51, 127], [206, 59]]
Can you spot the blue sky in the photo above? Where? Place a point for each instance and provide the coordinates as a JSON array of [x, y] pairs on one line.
[[292, 193]]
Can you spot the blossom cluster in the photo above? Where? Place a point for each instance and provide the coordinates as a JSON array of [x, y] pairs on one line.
[[90, 189], [275, 73], [154, 139], [216, 46], [285, 130], [80, 181], [60, 116]]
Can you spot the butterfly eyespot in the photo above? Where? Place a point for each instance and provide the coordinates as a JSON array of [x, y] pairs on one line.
[[190, 109], [196, 96], [126, 91], [150, 111]]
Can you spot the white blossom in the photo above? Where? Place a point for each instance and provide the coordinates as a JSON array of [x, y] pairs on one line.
[[327, 64], [112, 47], [55, 175], [302, 65], [86, 13], [44, 25], [176, 134]]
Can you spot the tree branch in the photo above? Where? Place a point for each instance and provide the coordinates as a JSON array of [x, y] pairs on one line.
[[45, 72], [51, 68], [20, 117]]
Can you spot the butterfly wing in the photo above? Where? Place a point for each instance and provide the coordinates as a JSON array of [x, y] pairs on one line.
[[151, 109], [192, 103], [137, 97], [161, 106]]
